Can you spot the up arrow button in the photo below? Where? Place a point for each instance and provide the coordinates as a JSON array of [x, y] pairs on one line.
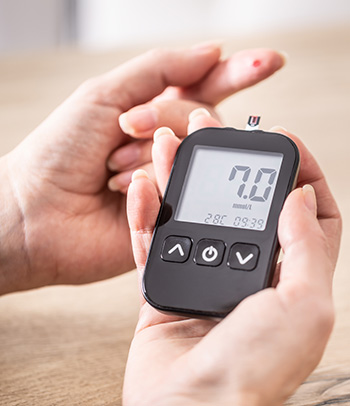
[[176, 249], [243, 257]]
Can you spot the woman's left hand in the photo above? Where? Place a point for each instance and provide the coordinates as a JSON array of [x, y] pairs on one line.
[[264, 349]]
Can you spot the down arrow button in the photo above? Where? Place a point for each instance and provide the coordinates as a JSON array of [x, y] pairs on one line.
[[243, 256]]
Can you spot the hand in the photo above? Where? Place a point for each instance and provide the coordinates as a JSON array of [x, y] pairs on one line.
[[60, 223], [261, 352]]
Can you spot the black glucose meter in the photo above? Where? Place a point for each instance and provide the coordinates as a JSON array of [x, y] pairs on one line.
[[215, 240]]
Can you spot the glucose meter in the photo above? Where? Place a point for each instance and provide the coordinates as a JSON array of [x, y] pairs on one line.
[[215, 240]]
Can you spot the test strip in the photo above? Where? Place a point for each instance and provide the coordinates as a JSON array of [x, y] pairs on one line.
[[253, 123]]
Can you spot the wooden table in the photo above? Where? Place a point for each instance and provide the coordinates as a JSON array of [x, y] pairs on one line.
[[68, 345]]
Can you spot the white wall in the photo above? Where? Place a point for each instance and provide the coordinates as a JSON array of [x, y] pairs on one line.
[[119, 22], [37, 24], [109, 23]]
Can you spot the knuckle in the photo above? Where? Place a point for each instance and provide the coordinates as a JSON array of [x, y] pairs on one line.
[[323, 317], [89, 87], [326, 319], [89, 84], [157, 53], [313, 306], [296, 293]]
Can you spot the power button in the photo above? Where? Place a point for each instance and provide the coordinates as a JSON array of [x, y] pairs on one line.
[[209, 252]]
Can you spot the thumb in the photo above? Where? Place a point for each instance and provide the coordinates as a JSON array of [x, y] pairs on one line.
[[306, 260]]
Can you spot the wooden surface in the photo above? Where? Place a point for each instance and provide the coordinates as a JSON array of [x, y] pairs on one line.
[[68, 345]]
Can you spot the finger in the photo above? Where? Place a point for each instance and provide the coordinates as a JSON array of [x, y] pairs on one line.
[[201, 118], [327, 210], [306, 266], [121, 181], [163, 154], [142, 210], [242, 70], [130, 156], [166, 144], [139, 122], [142, 121], [311, 173], [140, 159], [144, 77]]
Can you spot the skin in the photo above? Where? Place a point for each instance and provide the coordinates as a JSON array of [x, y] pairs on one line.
[[61, 222], [261, 352]]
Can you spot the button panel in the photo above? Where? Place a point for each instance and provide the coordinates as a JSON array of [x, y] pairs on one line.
[[242, 256], [209, 252]]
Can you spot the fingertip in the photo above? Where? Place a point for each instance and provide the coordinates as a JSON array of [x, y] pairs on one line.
[[275, 60], [120, 182], [310, 198], [306, 263], [278, 129], [200, 118], [138, 179], [208, 46], [284, 56], [298, 221], [271, 60], [162, 131], [112, 185], [198, 113], [139, 173], [142, 204], [112, 165], [248, 67], [209, 49], [125, 125], [163, 153], [139, 120]]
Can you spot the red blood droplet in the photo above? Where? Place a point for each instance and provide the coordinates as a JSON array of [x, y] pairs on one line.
[[256, 63]]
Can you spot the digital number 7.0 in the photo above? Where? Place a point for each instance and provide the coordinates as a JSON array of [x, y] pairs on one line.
[[246, 171]]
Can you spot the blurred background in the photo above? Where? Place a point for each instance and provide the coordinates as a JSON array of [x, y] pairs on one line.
[[105, 24]]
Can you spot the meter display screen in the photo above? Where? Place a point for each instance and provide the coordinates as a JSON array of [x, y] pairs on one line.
[[229, 187]]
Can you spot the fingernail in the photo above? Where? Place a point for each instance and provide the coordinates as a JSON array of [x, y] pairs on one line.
[[207, 46], [310, 198], [119, 182], [113, 186], [198, 112], [124, 157], [284, 56], [139, 173], [139, 119], [277, 129], [163, 131]]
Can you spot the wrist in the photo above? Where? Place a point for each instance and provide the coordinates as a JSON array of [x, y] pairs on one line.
[[13, 256]]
